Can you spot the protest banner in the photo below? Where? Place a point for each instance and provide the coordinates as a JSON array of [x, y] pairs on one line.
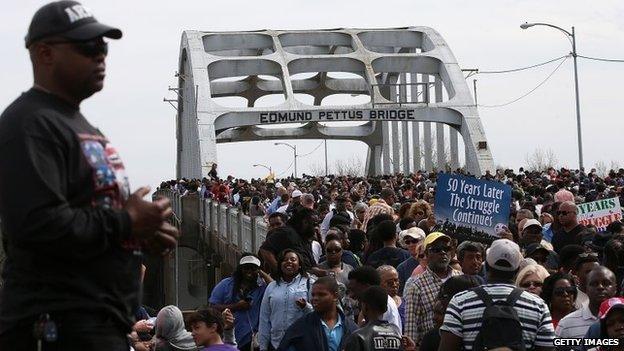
[[470, 208], [600, 213]]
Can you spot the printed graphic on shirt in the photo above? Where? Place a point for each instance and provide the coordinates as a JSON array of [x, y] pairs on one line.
[[387, 343], [109, 174]]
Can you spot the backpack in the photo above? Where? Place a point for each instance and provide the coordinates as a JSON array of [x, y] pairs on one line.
[[501, 326]]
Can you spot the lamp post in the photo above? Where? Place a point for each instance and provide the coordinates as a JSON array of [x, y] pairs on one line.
[[294, 147], [267, 167], [572, 38]]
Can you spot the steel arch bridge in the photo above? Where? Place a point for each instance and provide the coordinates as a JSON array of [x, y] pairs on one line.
[[412, 104]]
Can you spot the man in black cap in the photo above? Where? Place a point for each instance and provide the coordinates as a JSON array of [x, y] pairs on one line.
[[72, 231]]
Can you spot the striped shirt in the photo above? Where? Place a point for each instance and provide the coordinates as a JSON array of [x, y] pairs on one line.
[[464, 315], [419, 297], [378, 207], [576, 324]]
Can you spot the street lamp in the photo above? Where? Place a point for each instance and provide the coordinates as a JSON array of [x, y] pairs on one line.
[[267, 167], [572, 38], [294, 152]]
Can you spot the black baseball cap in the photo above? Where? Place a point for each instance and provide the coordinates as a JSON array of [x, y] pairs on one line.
[[68, 19]]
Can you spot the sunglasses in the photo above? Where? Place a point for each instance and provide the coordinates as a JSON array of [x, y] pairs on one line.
[[588, 254], [90, 48], [333, 251], [411, 241], [439, 249], [570, 290], [531, 283], [563, 213]]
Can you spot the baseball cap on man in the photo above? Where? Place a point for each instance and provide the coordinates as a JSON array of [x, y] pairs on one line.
[[413, 232], [296, 193], [435, 236], [530, 222], [70, 20], [504, 255]]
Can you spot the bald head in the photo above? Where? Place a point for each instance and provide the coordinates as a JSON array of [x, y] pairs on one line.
[[601, 285], [567, 214]]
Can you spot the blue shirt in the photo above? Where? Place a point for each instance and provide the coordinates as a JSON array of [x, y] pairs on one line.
[[405, 270], [547, 232], [334, 335], [246, 322], [277, 203], [279, 310]]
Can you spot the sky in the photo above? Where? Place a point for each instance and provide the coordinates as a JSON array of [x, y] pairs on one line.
[[482, 34]]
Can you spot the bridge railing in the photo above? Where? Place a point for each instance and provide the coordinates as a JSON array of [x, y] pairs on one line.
[[225, 231]]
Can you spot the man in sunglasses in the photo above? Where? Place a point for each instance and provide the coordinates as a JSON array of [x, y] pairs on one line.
[[73, 233], [569, 230], [420, 294]]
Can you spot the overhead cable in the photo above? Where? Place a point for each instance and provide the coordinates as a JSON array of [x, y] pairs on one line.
[[600, 59], [523, 68], [311, 152], [530, 91]]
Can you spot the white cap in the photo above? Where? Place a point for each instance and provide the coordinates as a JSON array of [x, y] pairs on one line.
[[249, 260], [413, 232], [530, 222], [296, 193], [504, 250]]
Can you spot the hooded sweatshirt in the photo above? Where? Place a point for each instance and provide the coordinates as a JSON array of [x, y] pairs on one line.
[[170, 332]]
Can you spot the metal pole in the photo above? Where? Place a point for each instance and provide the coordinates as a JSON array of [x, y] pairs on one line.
[[326, 168], [474, 87], [295, 150], [578, 107], [177, 275]]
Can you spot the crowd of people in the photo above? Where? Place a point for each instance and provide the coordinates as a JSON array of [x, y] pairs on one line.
[[349, 263], [360, 263]]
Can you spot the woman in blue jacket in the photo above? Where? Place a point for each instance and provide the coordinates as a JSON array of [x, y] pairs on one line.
[[324, 329], [285, 300]]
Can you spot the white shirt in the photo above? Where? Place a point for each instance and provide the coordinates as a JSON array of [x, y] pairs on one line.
[[581, 299], [392, 314], [575, 324], [317, 250]]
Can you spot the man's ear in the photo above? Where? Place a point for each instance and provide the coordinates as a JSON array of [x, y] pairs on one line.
[[41, 54]]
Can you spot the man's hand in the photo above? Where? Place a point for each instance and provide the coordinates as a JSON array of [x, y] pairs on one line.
[[163, 241], [147, 217], [408, 343]]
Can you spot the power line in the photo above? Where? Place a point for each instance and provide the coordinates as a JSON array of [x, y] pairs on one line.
[[311, 152], [530, 91], [600, 59], [287, 169], [523, 68]]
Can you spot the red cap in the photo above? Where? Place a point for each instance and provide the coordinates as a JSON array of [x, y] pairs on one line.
[[608, 304]]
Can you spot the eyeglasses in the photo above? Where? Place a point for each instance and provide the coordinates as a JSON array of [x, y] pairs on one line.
[[333, 251], [439, 249], [411, 241], [90, 48], [563, 213], [588, 254], [531, 283], [570, 290]]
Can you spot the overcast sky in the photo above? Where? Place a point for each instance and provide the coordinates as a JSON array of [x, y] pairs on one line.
[[482, 34]]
